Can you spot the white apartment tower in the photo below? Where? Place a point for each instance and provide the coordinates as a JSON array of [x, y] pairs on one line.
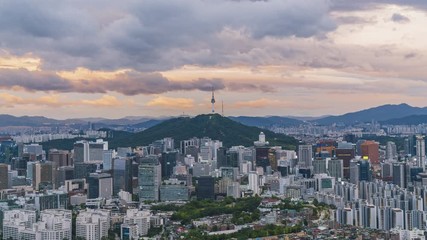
[[139, 218], [54, 224], [93, 224], [254, 182]]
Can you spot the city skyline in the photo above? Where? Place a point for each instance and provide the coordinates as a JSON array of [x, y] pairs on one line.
[[153, 58]]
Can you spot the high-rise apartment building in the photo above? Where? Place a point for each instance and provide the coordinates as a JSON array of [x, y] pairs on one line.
[[391, 151], [421, 152], [399, 174], [336, 168], [319, 166], [140, 218], [254, 182]]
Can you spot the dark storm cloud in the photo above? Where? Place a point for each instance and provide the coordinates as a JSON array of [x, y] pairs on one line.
[[140, 34], [346, 5], [33, 81], [250, 87], [130, 83], [151, 83]]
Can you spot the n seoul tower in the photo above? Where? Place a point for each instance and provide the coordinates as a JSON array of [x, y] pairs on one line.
[[213, 100]]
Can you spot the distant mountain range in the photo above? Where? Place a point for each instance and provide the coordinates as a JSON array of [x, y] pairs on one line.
[[214, 126], [266, 122], [34, 121], [409, 120], [38, 121], [381, 113], [387, 114]]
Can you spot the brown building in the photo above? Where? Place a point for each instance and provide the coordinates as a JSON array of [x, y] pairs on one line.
[[371, 150], [326, 145], [60, 158], [4, 176], [44, 175], [272, 159], [346, 155]]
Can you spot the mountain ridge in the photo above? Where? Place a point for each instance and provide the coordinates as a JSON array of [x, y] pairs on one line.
[[266, 122], [408, 120], [379, 113], [214, 126]]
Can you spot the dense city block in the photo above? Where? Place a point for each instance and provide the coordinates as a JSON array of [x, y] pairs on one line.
[[358, 181]]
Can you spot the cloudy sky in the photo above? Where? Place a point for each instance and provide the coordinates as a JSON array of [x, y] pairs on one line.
[[78, 58]]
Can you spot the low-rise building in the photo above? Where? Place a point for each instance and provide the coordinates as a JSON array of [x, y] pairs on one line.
[[54, 224], [93, 224]]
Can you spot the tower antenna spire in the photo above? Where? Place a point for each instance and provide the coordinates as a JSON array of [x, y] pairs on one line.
[[222, 107], [213, 100]]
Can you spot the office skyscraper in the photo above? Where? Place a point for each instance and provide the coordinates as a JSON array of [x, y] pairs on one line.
[[100, 186], [205, 188], [81, 152], [44, 175], [149, 179], [85, 151], [365, 173], [168, 162], [399, 174], [221, 157], [122, 175], [305, 155], [60, 157], [345, 151], [226, 158], [261, 157], [64, 173], [4, 178]]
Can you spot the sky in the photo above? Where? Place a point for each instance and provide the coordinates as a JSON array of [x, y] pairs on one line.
[[78, 58]]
